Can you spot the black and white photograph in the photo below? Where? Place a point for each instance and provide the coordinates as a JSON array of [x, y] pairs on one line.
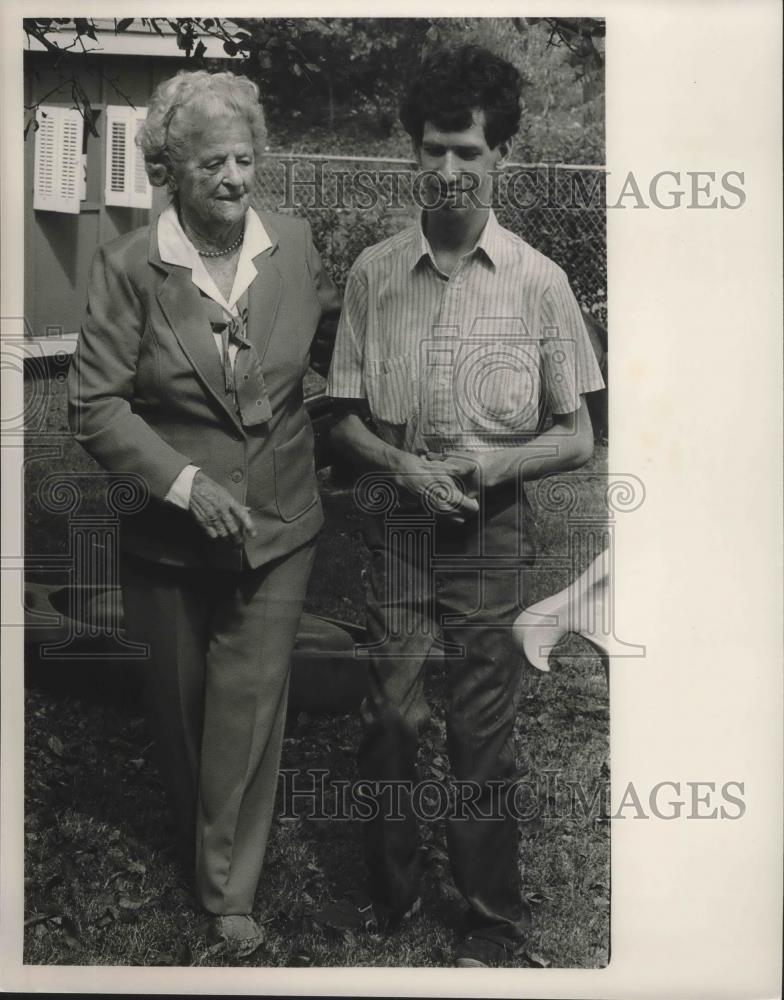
[[341, 447]]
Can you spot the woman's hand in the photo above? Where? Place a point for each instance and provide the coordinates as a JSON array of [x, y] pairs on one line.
[[216, 511]]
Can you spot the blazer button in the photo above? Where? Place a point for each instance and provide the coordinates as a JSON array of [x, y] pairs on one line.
[[236, 476]]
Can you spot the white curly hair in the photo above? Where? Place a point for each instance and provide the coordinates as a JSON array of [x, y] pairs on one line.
[[163, 136]]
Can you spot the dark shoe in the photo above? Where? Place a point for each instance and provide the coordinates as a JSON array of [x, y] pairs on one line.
[[388, 921], [477, 952], [235, 934]]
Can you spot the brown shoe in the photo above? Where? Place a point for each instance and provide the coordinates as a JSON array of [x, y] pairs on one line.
[[236, 934]]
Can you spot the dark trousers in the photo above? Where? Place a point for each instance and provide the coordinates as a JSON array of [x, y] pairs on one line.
[[432, 581], [216, 685]]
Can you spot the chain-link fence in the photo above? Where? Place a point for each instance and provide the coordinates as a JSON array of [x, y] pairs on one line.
[[353, 202]]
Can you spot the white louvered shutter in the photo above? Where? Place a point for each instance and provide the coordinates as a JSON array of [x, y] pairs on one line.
[[126, 178], [58, 159]]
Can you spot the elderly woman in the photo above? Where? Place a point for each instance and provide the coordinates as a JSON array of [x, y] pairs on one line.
[[188, 379]]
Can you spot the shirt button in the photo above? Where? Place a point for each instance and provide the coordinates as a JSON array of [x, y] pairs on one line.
[[236, 476]]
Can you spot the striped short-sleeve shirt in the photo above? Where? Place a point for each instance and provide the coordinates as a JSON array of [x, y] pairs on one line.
[[467, 361]]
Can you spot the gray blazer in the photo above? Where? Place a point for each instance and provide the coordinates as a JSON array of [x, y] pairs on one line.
[[147, 398]]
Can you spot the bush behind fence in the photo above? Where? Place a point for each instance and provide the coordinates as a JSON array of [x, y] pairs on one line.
[[353, 202]]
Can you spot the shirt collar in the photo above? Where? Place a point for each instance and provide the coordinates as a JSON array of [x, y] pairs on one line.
[[175, 248], [489, 243]]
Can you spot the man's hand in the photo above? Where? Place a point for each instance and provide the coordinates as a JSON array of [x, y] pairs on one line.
[[436, 483], [216, 511], [566, 445], [479, 469]]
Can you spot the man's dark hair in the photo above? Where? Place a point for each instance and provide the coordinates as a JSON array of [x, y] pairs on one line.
[[452, 82]]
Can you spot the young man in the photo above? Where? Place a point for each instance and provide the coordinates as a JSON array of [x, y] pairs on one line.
[[456, 338]]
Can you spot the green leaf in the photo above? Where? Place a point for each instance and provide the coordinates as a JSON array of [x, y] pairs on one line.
[[124, 23]]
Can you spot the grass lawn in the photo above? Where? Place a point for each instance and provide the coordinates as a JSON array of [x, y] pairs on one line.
[[103, 887]]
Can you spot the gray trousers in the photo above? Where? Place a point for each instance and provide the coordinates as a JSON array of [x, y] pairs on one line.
[[431, 581], [216, 685]]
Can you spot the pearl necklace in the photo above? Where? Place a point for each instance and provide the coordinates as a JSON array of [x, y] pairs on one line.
[[222, 253]]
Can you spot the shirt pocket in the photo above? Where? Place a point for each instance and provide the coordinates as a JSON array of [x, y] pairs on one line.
[[498, 386], [391, 389]]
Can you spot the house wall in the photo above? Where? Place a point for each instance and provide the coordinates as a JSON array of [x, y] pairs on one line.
[[58, 247]]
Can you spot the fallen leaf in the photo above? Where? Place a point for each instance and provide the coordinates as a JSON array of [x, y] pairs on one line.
[[161, 958], [73, 931], [537, 960], [341, 916], [125, 903], [56, 746]]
